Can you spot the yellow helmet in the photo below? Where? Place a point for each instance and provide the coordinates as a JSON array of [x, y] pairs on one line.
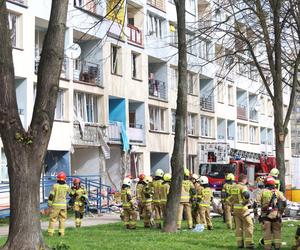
[[167, 177], [186, 172], [148, 179], [230, 177], [274, 172]]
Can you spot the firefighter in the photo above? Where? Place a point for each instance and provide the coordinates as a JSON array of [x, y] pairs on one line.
[[187, 194], [204, 201], [225, 195], [165, 188], [57, 201], [239, 199], [128, 204], [195, 212], [156, 185], [275, 174], [273, 204], [297, 239], [139, 188], [147, 193], [79, 197]]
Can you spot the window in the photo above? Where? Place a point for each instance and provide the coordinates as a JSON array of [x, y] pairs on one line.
[[191, 7], [157, 118], [191, 82], [253, 73], [206, 126], [221, 92], [136, 66], [241, 132], [14, 23], [173, 117], [191, 124], [86, 107], [192, 163], [270, 107], [154, 26], [242, 67], [204, 49], [59, 110], [263, 105], [191, 43], [3, 166], [174, 77], [116, 64], [173, 34], [230, 95], [263, 135], [270, 136], [253, 134]]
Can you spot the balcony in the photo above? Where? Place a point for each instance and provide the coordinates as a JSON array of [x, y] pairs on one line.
[[159, 4], [89, 135], [88, 72], [207, 103], [136, 133], [64, 70], [241, 112], [87, 5], [158, 89], [114, 133], [135, 35], [253, 115]]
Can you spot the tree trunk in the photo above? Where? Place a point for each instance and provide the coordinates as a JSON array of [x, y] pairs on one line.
[[24, 225], [177, 161]]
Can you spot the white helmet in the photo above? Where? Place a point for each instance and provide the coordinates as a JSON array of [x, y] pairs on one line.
[[159, 172], [147, 179], [195, 176], [203, 180], [274, 172], [127, 181]]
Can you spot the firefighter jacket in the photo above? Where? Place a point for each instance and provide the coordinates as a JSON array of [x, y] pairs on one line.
[[139, 188], [237, 197], [147, 193], [156, 186], [225, 193], [272, 203], [58, 195], [126, 198], [205, 197], [277, 184], [79, 195], [164, 190], [187, 190]]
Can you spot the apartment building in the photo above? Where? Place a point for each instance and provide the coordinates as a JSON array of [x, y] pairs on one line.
[[116, 106]]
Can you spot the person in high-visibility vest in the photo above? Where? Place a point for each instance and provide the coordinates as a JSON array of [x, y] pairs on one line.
[[147, 194], [195, 214], [138, 192], [275, 174], [128, 204], [156, 185], [205, 198], [225, 194], [239, 199], [165, 188], [57, 202]]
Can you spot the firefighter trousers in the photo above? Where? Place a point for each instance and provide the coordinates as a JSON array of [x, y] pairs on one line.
[[59, 213], [140, 209], [130, 217], [204, 212], [244, 228], [271, 231], [147, 213], [188, 209], [228, 216], [163, 209], [157, 213], [79, 211]]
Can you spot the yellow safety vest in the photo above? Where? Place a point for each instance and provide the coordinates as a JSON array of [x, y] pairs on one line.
[[147, 193], [186, 188], [270, 210], [125, 192], [78, 193], [59, 192], [205, 197], [156, 185], [226, 189], [139, 189], [164, 191], [237, 199]]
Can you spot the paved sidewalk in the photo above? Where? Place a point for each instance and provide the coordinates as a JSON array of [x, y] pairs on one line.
[[86, 222]]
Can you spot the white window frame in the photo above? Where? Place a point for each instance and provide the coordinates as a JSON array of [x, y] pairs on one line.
[[253, 136], [174, 78], [136, 66], [191, 78], [241, 132], [191, 124], [14, 28], [230, 93], [154, 26], [86, 107], [157, 118], [116, 60], [206, 126], [173, 120], [60, 106], [3, 167], [221, 92]]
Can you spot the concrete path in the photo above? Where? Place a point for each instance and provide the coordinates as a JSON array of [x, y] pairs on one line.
[[86, 222]]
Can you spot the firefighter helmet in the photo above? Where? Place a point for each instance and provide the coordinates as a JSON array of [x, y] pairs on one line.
[[203, 180], [274, 172], [76, 181], [159, 173], [270, 181], [147, 179], [195, 176], [230, 177], [142, 176], [186, 172], [127, 181], [61, 176], [167, 177]]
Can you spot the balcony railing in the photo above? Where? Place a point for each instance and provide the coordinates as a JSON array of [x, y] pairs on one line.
[[85, 71], [64, 70], [87, 5], [253, 115], [159, 4], [135, 35], [114, 133], [136, 133], [88, 135], [207, 103], [158, 89], [241, 112]]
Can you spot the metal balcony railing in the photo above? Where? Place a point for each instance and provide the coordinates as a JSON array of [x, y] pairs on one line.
[[135, 35], [241, 112], [85, 71], [207, 103], [87, 5], [159, 4], [114, 132], [253, 115], [64, 70], [158, 89], [136, 133]]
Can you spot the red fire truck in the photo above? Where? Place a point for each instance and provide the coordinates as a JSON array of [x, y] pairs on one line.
[[217, 160]]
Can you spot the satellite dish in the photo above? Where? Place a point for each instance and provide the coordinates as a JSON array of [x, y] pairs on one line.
[[73, 51]]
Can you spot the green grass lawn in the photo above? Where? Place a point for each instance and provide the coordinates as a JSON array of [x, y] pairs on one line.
[[114, 236]]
